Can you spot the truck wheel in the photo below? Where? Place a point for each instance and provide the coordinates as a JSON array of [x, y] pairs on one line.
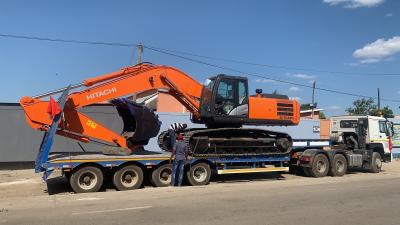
[[161, 177], [339, 166], [128, 178], [199, 174], [376, 163], [86, 179], [320, 166]]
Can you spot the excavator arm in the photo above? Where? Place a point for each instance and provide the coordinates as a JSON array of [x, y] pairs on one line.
[[103, 88]]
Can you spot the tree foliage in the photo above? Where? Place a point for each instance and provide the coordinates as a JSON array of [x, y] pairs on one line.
[[363, 107], [322, 115]]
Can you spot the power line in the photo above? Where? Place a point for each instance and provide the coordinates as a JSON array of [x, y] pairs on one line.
[[170, 52], [68, 40], [274, 66], [263, 76], [195, 55]]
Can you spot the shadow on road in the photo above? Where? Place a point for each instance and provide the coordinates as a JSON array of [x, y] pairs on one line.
[[247, 177], [58, 185]]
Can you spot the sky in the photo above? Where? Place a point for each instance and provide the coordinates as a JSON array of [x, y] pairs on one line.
[[291, 41]]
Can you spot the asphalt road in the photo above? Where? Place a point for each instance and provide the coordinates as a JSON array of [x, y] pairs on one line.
[[359, 198]]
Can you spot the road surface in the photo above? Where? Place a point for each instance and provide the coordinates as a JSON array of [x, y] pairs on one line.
[[358, 198]]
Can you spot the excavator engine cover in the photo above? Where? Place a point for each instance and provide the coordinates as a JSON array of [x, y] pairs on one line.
[[140, 122]]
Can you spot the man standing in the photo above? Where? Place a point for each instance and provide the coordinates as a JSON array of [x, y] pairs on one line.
[[180, 152], [174, 129]]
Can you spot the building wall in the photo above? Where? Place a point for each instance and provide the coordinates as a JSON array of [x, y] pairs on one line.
[[167, 103], [20, 143]]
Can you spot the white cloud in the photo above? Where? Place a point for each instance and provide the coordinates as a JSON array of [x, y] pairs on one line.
[[295, 98], [355, 3], [293, 89], [303, 76], [378, 50], [388, 14], [263, 80]]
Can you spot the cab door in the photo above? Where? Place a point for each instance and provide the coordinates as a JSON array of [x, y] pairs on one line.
[[384, 134]]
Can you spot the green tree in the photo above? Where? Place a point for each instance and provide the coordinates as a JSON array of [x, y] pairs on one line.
[[322, 115], [363, 107], [385, 112]]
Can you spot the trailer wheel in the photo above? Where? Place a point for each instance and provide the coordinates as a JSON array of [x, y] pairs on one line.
[[86, 179], [320, 166], [339, 166], [128, 178], [161, 177], [199, 174], [376, 163]]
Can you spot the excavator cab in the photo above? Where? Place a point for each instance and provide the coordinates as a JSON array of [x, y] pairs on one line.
[[225, 101]]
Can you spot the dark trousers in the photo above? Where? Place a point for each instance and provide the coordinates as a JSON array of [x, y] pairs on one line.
[[177, 172]]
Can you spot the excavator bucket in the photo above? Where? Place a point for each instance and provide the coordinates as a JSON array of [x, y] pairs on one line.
[[140, 122]]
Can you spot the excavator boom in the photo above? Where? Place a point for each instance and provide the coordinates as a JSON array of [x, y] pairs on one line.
[[103, 88]]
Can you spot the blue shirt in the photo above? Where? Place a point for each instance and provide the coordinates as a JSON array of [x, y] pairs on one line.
[[180, 149]]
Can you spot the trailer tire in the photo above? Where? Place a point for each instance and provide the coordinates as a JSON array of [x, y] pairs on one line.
[[320, 166], [199, 174], [86, 179], [161, 177], [376, 163], [128, 178], [339, 166]]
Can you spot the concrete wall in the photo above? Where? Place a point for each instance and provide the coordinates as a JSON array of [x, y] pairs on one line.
[[20, 143]]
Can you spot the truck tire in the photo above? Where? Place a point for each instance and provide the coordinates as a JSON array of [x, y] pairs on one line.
[[199, 174], [128, 178], [376, 163], [320, 166], [86, 179], [161, 177], [339, 166]]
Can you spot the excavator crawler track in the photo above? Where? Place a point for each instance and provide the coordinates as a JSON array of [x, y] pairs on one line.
[[232, 141]]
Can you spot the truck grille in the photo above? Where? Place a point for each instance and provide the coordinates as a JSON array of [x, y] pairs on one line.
[[285, 109]]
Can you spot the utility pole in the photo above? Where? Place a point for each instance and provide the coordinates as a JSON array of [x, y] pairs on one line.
[[140, 51], [379, 103], [312, 101]]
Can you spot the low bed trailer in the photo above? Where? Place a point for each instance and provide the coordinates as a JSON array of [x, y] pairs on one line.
[[87, 171]]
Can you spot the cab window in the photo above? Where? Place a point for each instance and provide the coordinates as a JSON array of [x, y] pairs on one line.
[[242, 93], [225, 100], [348, 124], [382, 127]]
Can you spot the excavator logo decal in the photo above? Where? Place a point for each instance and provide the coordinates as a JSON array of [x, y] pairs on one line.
[[101, 93], [91, 124]]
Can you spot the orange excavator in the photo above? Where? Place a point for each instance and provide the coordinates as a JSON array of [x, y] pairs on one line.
[[222, 104]]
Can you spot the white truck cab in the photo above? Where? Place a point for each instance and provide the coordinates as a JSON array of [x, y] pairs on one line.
[[358, 132]]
